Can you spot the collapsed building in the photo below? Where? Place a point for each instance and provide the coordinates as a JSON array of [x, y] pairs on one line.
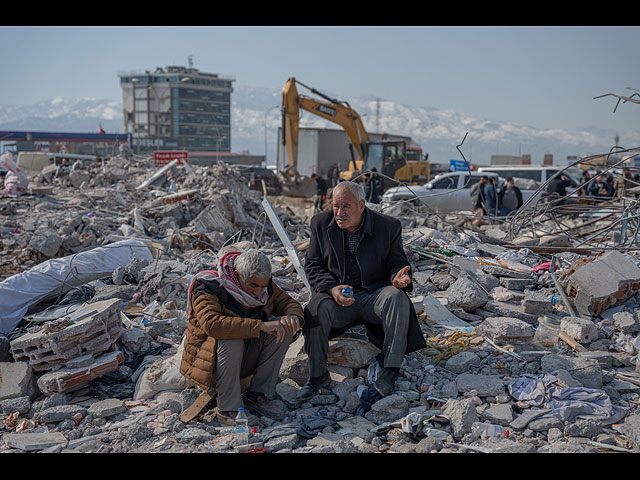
[[537, 334]]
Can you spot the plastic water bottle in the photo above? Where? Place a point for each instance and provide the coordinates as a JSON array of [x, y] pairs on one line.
[[554, 299], [242, 428], [347, 292], [489, 430]]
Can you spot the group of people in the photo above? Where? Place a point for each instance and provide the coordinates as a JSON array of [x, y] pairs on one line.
[[241, 323], [488, 199], [604, 185]]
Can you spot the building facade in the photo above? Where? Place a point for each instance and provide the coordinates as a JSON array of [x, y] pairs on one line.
[[177, 108]]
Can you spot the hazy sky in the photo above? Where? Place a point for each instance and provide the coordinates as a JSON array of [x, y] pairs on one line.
[[545, 77]]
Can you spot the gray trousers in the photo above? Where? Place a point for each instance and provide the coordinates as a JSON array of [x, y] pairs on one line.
[[387, 306], [261, 357]]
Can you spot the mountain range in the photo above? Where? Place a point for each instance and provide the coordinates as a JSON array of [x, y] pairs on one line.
[[255, 119]]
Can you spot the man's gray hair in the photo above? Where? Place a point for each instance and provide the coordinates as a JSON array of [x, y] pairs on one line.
[[353, 187], [252, 263]]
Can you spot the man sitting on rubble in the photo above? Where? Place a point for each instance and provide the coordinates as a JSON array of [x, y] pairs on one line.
[[240, 323], [353, 246]]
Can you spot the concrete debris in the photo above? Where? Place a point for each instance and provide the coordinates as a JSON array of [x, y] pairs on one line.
[[92, 363]]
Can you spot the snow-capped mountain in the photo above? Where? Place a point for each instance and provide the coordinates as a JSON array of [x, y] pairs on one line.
[[255, 119]]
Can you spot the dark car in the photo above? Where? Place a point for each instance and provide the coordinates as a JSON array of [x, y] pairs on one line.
[[255, 176]]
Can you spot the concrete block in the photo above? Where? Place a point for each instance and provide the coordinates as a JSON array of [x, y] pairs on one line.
[[625, 322], [107, 408], [466, 294], [484, 385], [516, 283], [91, 330], [30, 442], [17, 380], [586, 370], [506, 329], [580, 329], [537, 303], [601, 282]]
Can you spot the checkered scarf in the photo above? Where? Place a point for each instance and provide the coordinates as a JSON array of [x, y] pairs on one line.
[[228, 280]]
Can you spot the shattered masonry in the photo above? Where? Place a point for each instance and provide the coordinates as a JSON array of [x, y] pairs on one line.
[[93, 364]]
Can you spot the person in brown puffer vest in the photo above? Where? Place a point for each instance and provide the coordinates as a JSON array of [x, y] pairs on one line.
[[240, 324]]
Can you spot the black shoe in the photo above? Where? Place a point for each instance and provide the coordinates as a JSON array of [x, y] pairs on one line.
[[386, 379], [312, 387]]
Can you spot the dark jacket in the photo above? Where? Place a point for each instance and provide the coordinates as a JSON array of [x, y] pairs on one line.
[[491, 197], [517, 192], [558, 185], [380, 255]]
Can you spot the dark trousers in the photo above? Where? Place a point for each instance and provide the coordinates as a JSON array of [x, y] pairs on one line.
[[387, 306]]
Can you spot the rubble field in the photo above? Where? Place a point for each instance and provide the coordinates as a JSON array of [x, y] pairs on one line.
[[531, 324]]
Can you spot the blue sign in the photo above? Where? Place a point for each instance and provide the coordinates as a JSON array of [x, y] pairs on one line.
[[458, 166]]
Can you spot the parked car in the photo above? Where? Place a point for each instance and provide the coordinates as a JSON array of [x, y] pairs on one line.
[[448, 192]]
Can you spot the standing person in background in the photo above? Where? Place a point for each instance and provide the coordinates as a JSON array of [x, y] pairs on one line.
[[509, 198], [622, 182], [586, 180], [377, 184], [333, 174], [491, 198], [321, 192], [477, 196]]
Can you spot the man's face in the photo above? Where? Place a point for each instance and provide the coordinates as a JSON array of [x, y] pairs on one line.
[[253, 285], [346, 210]]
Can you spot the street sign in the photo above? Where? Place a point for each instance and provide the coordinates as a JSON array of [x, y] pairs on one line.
[[458, 166], [167, 156]]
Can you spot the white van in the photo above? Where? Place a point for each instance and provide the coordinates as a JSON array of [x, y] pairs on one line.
[[536, 173]]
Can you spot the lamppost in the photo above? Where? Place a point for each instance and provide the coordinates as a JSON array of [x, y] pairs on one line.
[[265, 132]]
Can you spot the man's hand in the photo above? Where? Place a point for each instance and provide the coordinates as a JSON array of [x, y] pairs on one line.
[[402, 278], [273, 327], [336, 293], [290, 323]]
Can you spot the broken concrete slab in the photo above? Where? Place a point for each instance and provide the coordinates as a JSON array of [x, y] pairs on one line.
[[17, 380], [507, 329], [582, 330], [90, 330], [30, 442], [69, 379], [601, 282], [587, 371], [483, 385], [466, 294]]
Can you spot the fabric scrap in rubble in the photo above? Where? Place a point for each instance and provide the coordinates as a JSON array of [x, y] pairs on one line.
[[567, 404]]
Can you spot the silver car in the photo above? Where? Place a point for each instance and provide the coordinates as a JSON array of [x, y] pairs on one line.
[[448, 192]]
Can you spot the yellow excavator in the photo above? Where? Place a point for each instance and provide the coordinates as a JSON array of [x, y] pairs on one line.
[[394, 158]]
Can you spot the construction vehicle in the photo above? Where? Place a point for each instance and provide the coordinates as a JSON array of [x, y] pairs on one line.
[[396, 159]]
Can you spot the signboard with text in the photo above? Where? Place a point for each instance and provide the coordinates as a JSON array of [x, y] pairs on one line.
[[164, 157]]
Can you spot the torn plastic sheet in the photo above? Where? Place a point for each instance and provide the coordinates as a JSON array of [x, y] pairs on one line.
[[58, 275]]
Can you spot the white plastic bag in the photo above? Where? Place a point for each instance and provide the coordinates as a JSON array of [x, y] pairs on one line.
[[16, 181]]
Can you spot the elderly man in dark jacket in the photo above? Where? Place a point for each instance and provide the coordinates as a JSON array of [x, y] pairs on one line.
[[353, 246]]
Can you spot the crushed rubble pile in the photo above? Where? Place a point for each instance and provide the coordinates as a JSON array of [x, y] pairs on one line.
[[533, 336]]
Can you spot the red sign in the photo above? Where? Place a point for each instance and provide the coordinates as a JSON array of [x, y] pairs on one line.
[[164, 157]]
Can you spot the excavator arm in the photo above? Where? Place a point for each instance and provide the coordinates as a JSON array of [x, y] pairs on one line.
[[335, 111]]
